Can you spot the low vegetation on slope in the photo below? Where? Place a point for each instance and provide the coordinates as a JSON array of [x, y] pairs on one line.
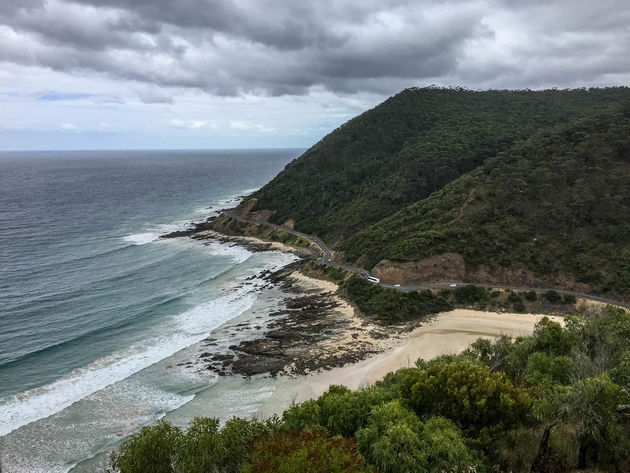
[[556, 204], [552, 402]]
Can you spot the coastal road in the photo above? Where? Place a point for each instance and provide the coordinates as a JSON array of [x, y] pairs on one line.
[[328, 255]]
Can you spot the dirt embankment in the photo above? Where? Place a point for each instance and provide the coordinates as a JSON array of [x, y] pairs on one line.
[[450, 267]]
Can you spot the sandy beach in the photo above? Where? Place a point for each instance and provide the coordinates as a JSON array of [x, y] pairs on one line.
[[448, 333]]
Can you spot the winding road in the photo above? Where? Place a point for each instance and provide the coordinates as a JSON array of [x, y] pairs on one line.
[[328, 254]]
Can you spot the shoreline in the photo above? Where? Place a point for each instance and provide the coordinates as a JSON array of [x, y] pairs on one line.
[[311, 329], [319, 339], [447, 333], [319, 334]]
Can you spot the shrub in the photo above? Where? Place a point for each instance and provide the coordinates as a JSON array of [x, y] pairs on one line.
[[149, 451], [544, 368], [305, 452], [518, 306], [470, 294], [443, 444], [531, 296], [391, 440], [203, 447], [514, 296], [552, 296], [569, 299], [552, 338], [396, 441], [471, 395], [393, 306], [339, 410]]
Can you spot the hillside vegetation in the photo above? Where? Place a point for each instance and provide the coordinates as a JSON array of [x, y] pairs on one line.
[[552, 402], [532, 180], [558, 203]]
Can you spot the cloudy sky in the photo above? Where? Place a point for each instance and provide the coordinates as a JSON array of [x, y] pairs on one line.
[[81, 74]]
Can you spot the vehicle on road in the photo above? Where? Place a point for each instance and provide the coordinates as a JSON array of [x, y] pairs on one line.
[[373, 279], [452, 284], [396, 285]]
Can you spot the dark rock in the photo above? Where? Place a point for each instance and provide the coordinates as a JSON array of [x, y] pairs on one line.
[[250, 365]]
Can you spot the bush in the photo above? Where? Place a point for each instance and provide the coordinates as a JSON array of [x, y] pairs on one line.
[[396, 441], [514, 296], [531, 296], [203, 447], [470, 294], [305, 452], [518, 306], [339, 410], [544, 368], [393, 306], [569, 299], [151, 450], [469, 394], [552, 296], [443, 444], [206, 447], [391, 440]]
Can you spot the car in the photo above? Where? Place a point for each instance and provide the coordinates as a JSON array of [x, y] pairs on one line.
[[452, 284], [396, 285]]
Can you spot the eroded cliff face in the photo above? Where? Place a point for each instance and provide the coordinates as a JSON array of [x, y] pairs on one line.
[[244, 210], [450, 267]]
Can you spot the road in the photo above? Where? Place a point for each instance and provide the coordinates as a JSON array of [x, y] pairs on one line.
[[328, 255]]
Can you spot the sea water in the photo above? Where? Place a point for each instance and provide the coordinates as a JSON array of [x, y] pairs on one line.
[[97, 312]]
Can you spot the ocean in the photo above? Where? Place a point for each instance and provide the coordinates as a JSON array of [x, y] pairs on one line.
[[98, 317]]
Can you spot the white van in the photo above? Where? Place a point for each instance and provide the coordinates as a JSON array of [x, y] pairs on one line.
[[373, 279]]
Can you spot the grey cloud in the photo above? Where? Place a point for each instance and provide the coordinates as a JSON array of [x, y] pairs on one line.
[[10, 7], [287, 47]]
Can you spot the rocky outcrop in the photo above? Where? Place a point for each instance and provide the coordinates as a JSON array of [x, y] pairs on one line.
[[244, 210]]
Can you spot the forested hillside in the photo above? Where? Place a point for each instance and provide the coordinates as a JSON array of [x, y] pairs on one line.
[[531, 180], [558, 203]]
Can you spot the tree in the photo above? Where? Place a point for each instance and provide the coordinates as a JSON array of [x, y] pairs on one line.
[[471, 395], [391, 442], [152, 450], [592, 405]]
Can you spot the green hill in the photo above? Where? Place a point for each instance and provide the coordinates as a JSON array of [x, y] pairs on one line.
[[556, 206], [508, 186]]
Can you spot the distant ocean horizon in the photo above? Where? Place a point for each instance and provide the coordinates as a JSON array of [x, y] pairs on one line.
[[91, 300]]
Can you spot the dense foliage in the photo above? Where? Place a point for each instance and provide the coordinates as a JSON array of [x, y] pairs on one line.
[[389, 305], [557, 204], [524, 179], [306, 452], [392, 306], [551, 402]]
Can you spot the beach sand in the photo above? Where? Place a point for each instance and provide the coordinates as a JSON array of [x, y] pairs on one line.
[[448, 333]]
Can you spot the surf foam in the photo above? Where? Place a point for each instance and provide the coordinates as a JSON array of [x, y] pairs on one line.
[[141, 238], [185, 329]]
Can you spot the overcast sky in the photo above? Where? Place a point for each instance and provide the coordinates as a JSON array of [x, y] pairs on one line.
[[118, 74]]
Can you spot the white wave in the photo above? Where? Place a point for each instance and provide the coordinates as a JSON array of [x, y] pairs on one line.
[[142, 238], [115, 412], [226, 202], [237, 253], [182, 331], [204, 212]]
